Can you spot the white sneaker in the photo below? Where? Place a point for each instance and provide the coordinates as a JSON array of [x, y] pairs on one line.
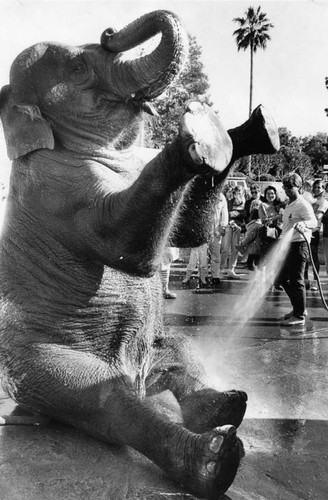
[[233, 275], [291, 314], [293, 321], [314, 286]]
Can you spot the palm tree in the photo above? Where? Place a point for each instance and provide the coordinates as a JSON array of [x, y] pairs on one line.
[[252, 33]]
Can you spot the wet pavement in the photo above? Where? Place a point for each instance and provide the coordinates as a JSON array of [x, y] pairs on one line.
[[285, 430]]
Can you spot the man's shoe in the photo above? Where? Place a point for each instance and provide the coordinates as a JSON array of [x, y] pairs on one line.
[[215, 282], [314, 287], [202, 284], [291, 314], [233, 275], [293, 321], [169, 295]]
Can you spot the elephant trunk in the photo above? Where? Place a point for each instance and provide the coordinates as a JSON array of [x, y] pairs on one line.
[[148, 76]]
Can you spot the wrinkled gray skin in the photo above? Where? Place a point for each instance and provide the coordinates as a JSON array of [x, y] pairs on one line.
[[82, 336]]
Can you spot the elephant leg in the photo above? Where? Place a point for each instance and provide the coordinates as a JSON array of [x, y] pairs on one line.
[[83, 391], [178, 369]]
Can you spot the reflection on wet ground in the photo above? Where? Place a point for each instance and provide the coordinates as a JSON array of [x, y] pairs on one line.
[[283, 370], [285, 430]]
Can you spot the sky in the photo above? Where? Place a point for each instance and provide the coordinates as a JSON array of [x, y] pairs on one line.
[[289, 76]]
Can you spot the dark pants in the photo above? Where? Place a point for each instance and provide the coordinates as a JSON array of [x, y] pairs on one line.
[[291, 276], [315, 241], [253, 261]]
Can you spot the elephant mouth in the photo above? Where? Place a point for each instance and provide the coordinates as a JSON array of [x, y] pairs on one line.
[[141, 103]]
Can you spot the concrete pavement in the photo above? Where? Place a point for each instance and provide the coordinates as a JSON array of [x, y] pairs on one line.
[[285, 430]]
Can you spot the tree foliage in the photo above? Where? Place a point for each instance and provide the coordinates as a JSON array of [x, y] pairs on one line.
[[253, 30], [316, 148], [304, 155], [252, 34], [191, 84]]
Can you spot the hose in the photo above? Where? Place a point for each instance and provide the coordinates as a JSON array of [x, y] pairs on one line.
[[313, 267]]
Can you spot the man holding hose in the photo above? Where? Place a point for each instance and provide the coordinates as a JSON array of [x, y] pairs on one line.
[[299, 218]]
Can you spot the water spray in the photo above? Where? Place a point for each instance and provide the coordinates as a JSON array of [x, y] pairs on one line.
[[299, 226]]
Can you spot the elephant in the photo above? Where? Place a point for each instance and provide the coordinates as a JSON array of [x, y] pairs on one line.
[[88, 215]]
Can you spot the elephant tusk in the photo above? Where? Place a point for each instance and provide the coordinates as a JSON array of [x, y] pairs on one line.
[[141, 103]]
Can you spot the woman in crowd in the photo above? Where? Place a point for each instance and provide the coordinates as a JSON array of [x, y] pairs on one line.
[[229, 252], [255, 192], [251, 241], [270, 211]]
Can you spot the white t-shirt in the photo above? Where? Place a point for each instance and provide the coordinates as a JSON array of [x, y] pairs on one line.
[[320, 206], [221, 214], [299, 210]]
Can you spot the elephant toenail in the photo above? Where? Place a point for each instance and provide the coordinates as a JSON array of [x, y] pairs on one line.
[[243, 395], [211, 467], [195, 156], [216, 443], [228, 430]]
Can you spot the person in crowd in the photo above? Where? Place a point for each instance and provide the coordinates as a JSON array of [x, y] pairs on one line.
[[270, 208], [170, 254], [220, 222], [320, 205], [299, 218], [228, 191], [307, 191], [251, 242], [198, 258], [324, 221], [270, 212], [236, 211], [255, 192], [326, 191]]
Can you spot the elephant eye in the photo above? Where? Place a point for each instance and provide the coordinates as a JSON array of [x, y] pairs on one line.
[[79, 68], [79, 71]]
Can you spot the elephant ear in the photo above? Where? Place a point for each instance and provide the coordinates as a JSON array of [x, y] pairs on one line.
[[24, 127]]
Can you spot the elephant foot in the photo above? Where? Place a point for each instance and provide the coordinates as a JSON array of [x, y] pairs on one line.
[[202, 410], [211, 462], [208, 144]]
